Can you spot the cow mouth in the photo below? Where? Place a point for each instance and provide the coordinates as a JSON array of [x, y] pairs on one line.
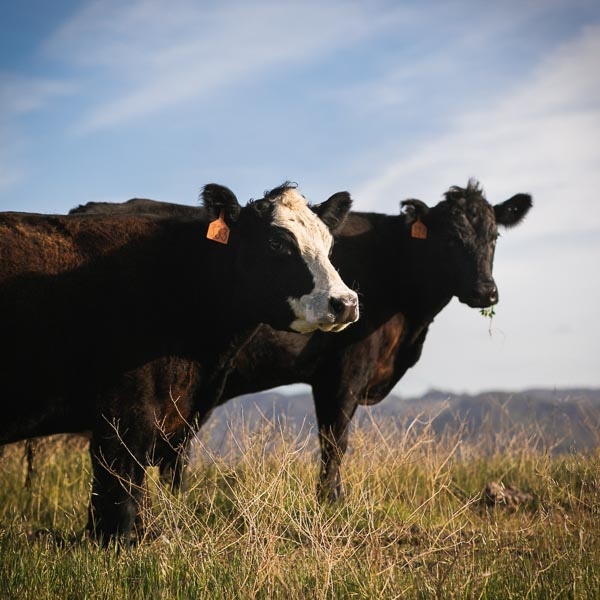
[[479, 301], [302, 326], [334, 327], [321, 314]]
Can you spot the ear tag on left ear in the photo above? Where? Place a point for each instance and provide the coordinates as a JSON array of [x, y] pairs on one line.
[[218, 230], [419, 230]]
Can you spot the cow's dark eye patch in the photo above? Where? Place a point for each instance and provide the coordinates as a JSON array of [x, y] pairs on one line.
[[275, 245], [281, 242]]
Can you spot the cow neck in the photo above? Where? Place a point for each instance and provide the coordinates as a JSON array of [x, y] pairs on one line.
[[424, 286], [221, 365], [392, 271], [207, 313], [175, 301]]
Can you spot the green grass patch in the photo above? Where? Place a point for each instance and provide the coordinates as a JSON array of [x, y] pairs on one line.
[[412, 525]]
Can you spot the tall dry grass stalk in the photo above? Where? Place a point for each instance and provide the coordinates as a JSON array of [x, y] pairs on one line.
[[411, 525]]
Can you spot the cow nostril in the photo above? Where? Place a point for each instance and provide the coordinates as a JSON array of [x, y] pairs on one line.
[[488, 292], [345, 309], [337, 305]]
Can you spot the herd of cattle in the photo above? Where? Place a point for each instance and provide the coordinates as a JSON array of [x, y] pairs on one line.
[[133, 321]]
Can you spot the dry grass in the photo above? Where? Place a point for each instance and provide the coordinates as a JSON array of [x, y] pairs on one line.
[[412, 524]]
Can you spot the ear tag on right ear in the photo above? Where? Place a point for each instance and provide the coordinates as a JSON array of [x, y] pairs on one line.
[[419, 230], [218, 230]]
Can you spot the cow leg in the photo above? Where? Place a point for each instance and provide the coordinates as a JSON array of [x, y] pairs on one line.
[[31, 446], [172, 457], [117, 490], [172, 466], [175, 459], [334, 413]]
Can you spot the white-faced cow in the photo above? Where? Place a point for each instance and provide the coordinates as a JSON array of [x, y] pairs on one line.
[[86, 301], [406, 268]]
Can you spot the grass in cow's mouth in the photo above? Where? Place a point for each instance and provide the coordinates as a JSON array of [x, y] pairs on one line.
[[489, 313]]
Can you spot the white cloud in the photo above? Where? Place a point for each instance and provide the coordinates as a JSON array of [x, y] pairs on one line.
[[162, 53], [19, 94], [542, 137]]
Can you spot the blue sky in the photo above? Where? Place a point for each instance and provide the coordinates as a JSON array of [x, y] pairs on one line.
[[109, 100]]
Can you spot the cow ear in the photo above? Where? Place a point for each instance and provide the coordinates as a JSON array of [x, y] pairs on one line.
[[512, 211], [217, 198], [414, 209], [333, 212]]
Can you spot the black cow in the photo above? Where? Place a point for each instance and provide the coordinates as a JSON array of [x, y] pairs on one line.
[[406, 269], [87, 301]]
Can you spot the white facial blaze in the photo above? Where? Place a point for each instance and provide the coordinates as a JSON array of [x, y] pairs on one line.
[[313, 310]]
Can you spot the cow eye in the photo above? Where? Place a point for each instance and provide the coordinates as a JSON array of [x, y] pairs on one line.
[[275, 245]]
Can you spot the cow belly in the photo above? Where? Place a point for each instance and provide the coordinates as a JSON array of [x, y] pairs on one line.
[[387, 342], [26, 419]]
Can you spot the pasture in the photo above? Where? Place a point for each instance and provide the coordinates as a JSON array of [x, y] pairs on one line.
[[413, 523]]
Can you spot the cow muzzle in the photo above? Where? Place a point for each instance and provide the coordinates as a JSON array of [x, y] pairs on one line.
[[483, 295], [325, 312]]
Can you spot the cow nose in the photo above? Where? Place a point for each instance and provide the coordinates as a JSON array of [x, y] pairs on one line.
[[488, 292], [344, 309]]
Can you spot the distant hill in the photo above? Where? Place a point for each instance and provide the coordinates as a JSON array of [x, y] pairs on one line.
[[560, 420]]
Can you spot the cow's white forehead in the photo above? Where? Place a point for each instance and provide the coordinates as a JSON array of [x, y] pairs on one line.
[[291, 212], [313, 310]]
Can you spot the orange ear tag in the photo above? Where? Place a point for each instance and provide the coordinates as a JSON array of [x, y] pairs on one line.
[[419, 230], [218, 230]]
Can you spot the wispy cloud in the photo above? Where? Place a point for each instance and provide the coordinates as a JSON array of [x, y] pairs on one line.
[[20, 94], [543, 136], [157, 54]]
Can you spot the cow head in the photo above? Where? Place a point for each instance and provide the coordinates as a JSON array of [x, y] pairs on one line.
[[461, 234], [282, 266]]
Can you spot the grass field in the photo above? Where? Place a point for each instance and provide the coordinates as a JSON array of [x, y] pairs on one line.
[[412, 523]]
